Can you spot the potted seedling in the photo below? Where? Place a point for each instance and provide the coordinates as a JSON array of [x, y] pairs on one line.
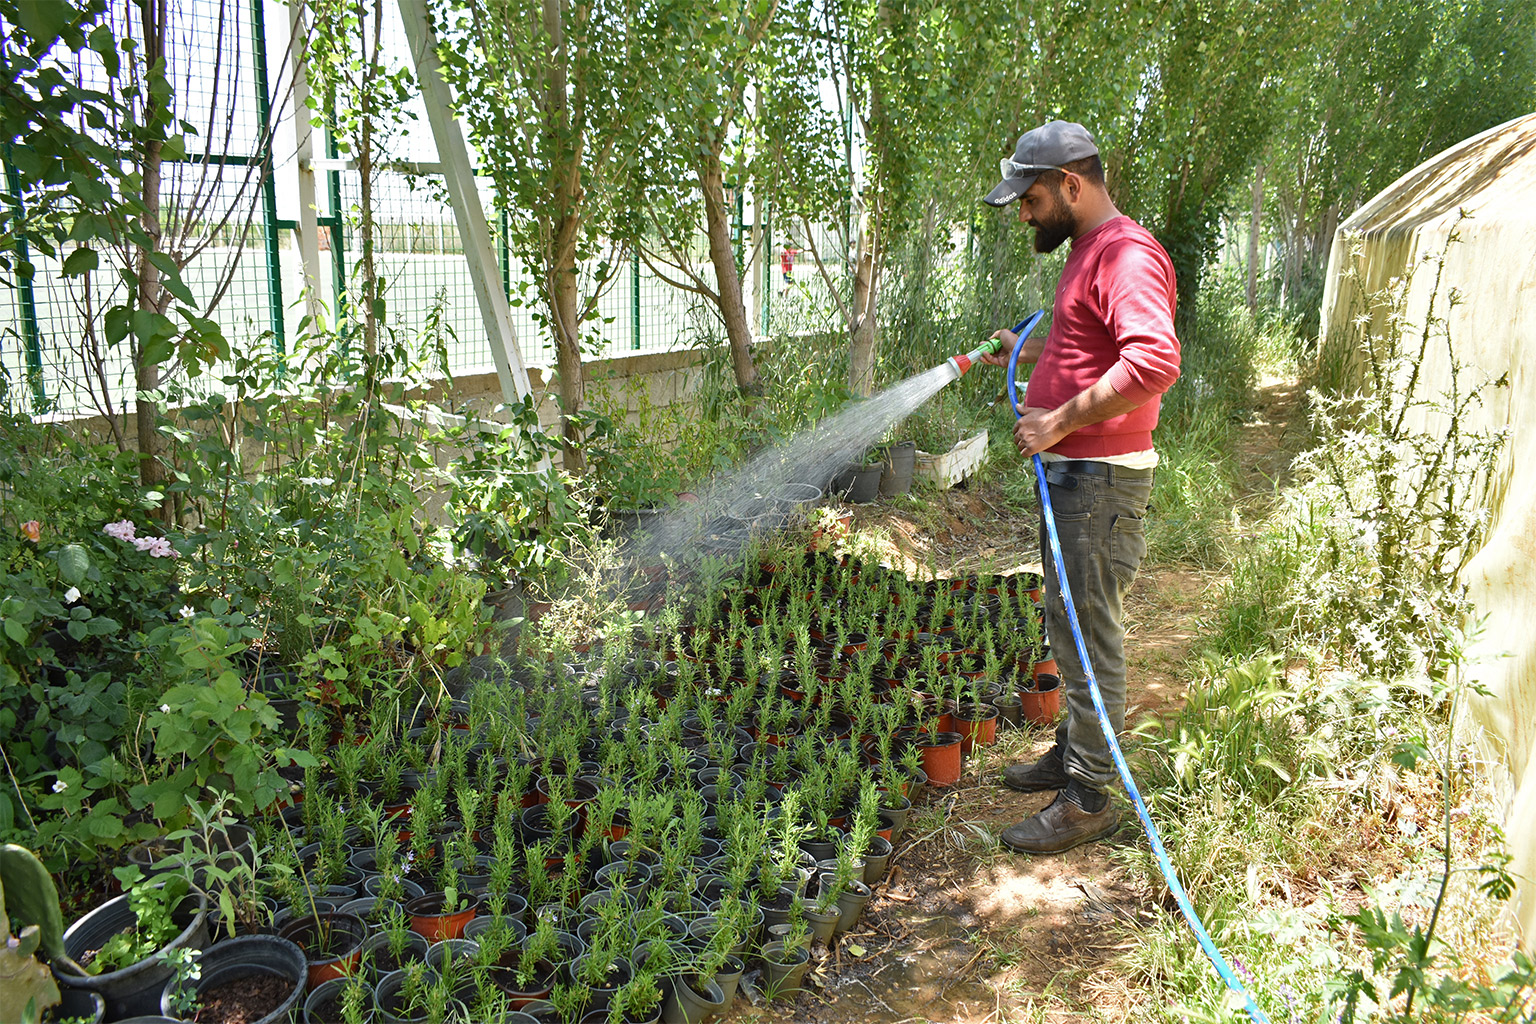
[[131, 937]]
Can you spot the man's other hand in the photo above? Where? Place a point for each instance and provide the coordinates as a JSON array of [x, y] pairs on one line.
[[1037, 430]]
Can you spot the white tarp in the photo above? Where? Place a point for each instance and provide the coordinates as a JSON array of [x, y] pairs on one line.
[[1483, 190]]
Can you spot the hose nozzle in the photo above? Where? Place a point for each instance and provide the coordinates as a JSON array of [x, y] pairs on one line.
[[962, 363]]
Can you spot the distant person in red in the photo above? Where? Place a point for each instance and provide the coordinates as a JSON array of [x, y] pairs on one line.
[[1089, 411], [787, 262]]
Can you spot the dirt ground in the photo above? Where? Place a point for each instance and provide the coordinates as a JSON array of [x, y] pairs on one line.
[[963, 931]]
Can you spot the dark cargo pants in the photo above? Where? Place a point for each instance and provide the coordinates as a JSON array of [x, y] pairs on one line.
[[1099, 510]]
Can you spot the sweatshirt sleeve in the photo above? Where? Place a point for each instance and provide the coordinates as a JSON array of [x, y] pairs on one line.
[[1136, 292]]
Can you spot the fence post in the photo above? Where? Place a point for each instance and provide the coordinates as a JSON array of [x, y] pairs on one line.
[[268, 187], [768, 270], [634, 300], [336, 221], [31, 338]]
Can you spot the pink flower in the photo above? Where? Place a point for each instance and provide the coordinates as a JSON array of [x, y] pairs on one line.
[[33, 529], [159, 547], [122, 530]]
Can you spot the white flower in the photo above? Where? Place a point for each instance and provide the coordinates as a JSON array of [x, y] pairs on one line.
[[122, 529], [165, 709], [60, 786], [316, 481], [186, 611], [71, 595]]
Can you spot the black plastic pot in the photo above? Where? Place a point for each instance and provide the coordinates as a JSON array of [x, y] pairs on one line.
[[378, 959], [78, 1004], [243, 957], [858, 482], [900, 463], [134, 990]]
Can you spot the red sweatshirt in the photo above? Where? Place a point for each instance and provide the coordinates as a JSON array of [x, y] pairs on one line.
[[1113, 318]]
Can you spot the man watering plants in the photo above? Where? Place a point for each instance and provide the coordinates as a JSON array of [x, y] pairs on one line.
[[1089, 410]]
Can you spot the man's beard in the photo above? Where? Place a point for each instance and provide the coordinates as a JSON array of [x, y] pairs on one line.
[[1049, 234], [1051, 231]]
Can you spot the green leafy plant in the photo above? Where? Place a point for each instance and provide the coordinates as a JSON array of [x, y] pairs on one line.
[[153, 902]]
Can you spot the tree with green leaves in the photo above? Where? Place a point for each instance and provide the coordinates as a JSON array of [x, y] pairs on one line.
[[1389, 83], [555, 94], [363, 98], [90, 176], [707, 58]]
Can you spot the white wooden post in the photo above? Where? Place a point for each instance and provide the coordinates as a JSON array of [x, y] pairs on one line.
[[484, 270]]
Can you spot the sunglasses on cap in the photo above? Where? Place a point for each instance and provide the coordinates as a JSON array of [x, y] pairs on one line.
[[1008, 167]]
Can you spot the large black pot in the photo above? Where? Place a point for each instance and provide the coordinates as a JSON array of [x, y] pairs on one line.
[[135, 990], [900, 464], [243, 957]]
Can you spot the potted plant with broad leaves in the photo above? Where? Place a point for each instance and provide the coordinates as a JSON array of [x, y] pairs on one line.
[[124, 943], [231, 867]]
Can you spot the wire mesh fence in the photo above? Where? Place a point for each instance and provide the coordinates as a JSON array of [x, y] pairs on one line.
[[245, 266]]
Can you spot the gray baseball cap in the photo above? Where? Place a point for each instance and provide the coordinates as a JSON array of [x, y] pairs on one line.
[[1039, 150]]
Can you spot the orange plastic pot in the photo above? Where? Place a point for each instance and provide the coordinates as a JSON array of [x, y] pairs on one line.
[[332, 944], [1040, 705], [941, 758], [430, 919], [977, 725]]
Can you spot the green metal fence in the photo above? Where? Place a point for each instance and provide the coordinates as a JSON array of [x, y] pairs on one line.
[[232, 68]]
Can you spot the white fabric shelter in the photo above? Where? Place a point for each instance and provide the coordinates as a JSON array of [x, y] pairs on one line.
[[1483, 189]]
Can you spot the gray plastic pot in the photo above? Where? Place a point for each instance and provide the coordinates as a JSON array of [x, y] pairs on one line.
[[876, 860], [783, 970], [135, 990], [851, 903], [823, 924], [900, 463], [242, 957], [728, 977], [687, 1004]]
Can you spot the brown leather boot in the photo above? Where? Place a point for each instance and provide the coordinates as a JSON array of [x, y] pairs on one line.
[[1044, 775], [1066, 823]]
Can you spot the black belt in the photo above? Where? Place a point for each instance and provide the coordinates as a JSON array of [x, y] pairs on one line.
[[1088, 467]]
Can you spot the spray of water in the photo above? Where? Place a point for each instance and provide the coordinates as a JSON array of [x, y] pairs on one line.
[[769, 488]]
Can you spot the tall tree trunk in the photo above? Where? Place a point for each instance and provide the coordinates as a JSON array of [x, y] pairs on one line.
[[151, 294], [862, 333], [565, 227], [564, 310], [1254, 214], [722, 256]]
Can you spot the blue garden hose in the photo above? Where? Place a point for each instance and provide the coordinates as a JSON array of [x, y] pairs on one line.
[[1164, 864]]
